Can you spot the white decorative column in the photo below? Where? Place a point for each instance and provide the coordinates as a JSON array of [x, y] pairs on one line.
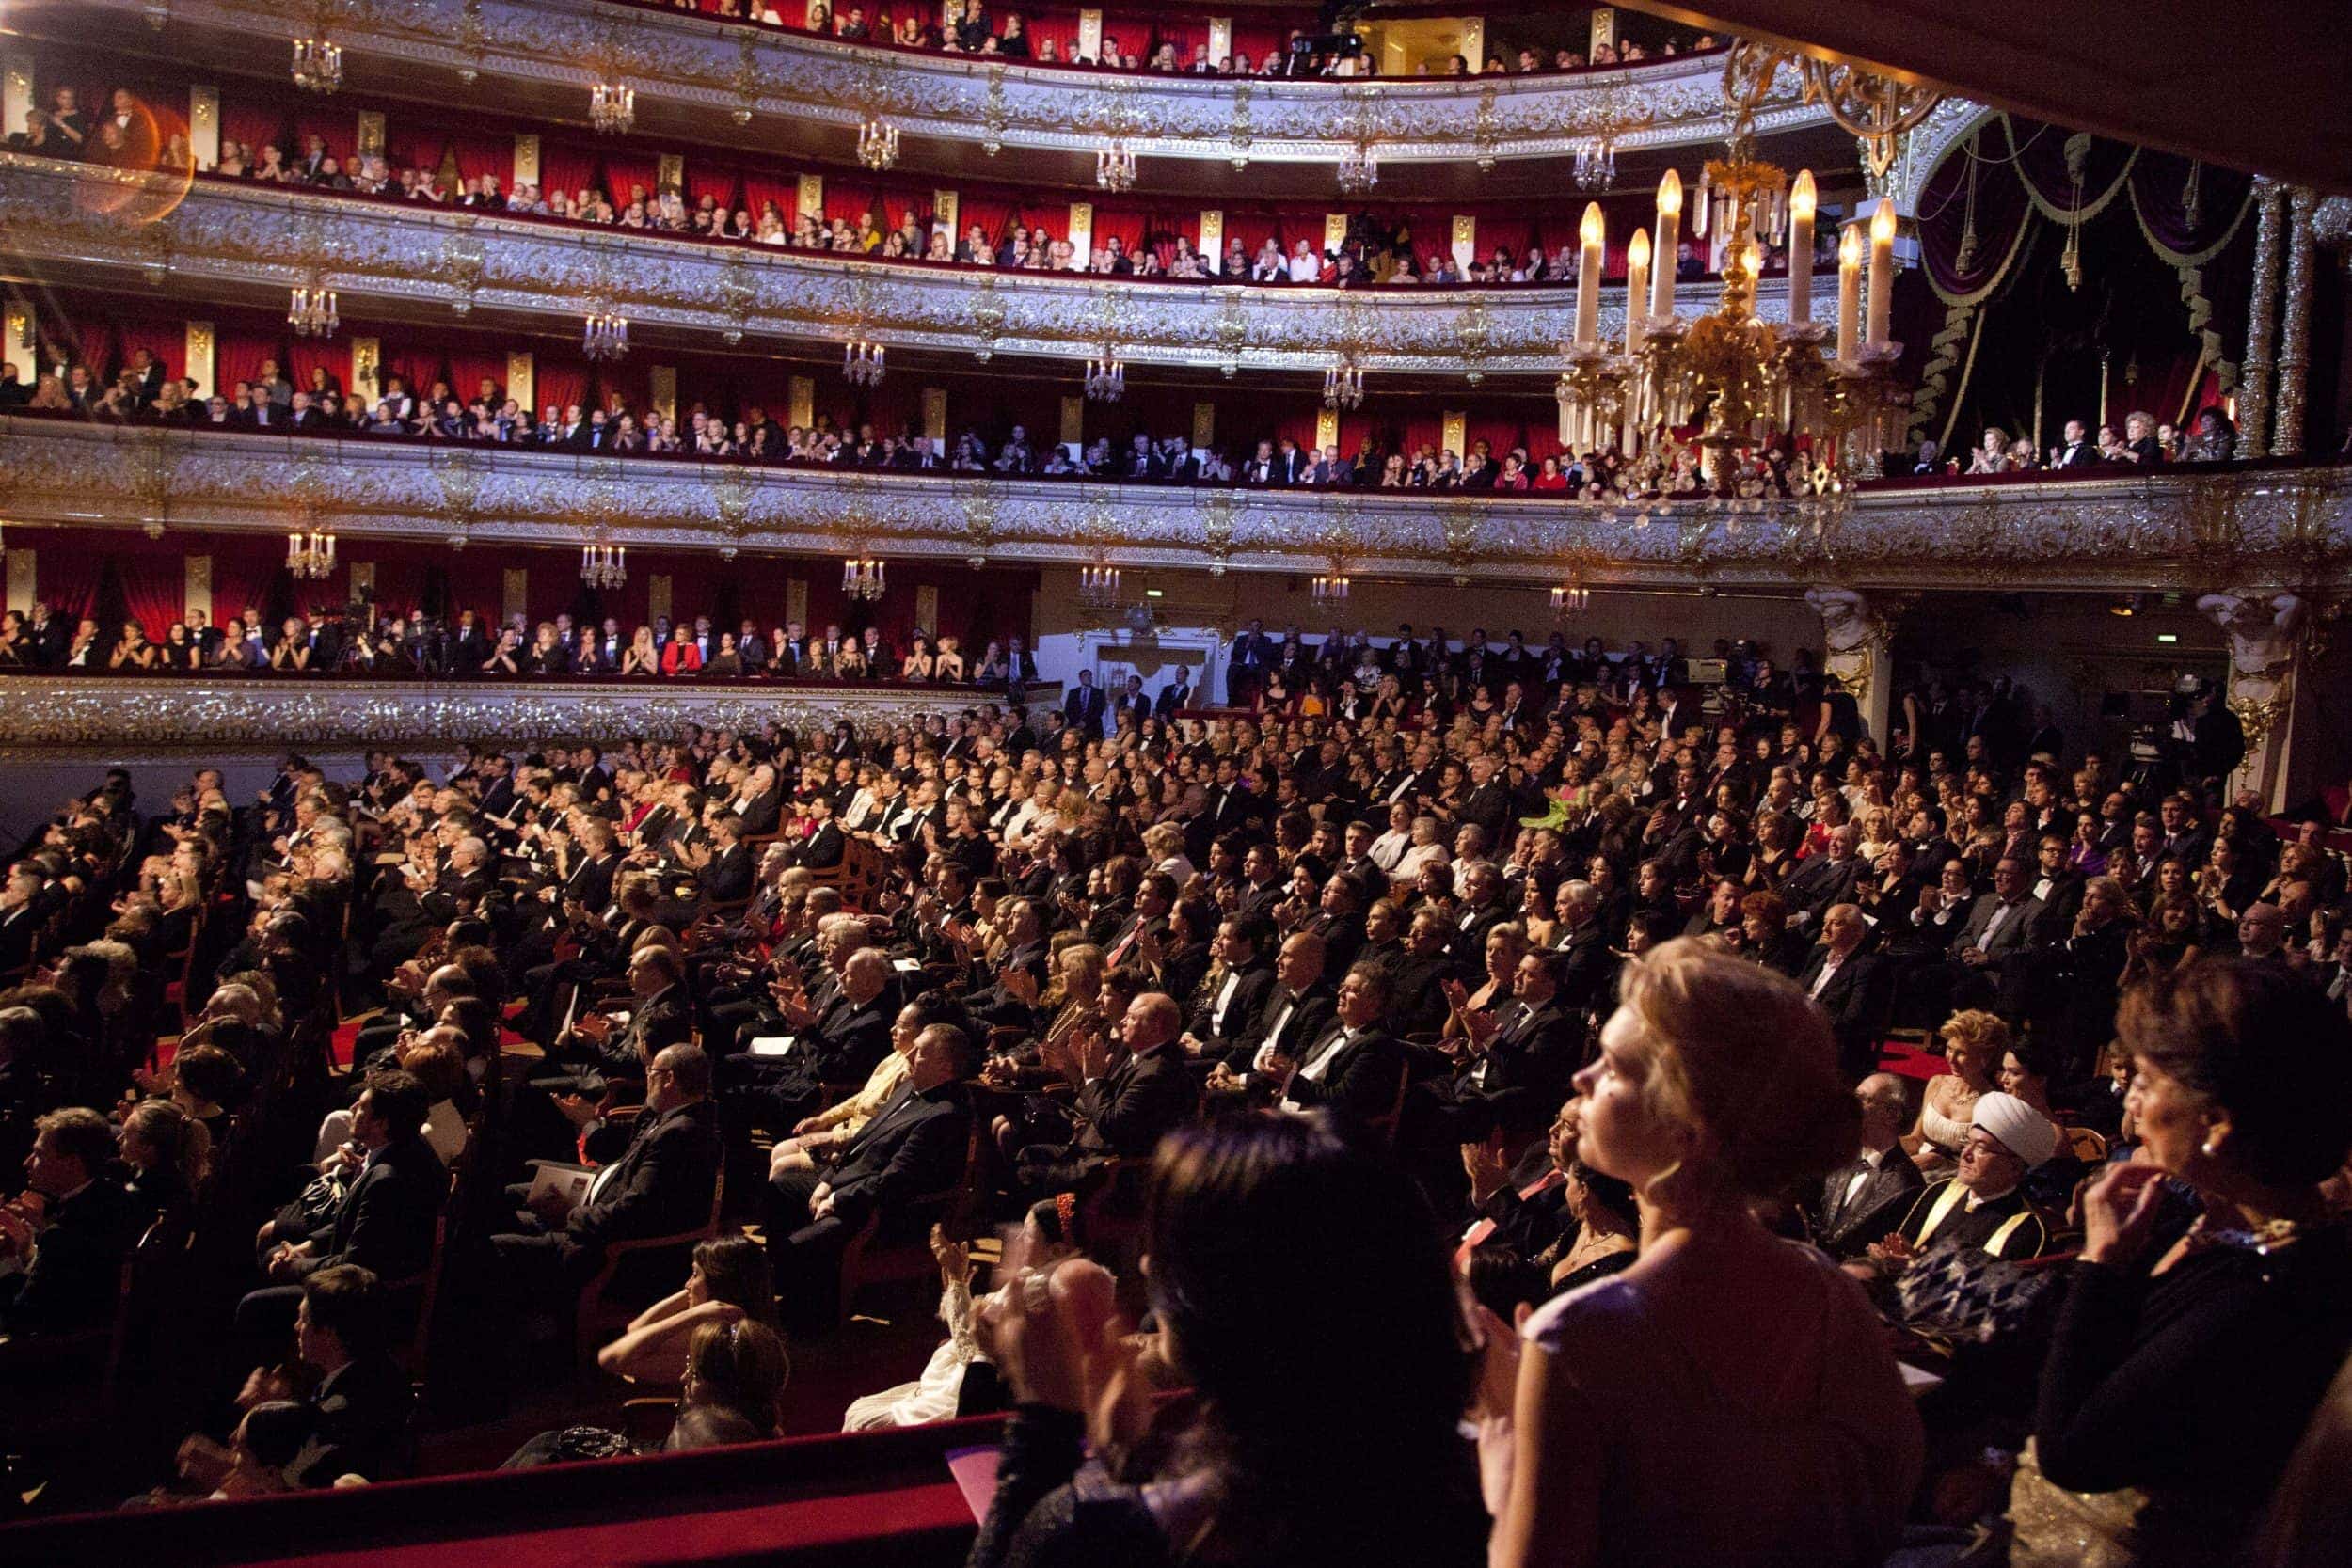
[[1854, 638], [2267, 647], [203, 125], [198, 344], [526, 160], [24, 574], [196, 585], [16, 87]]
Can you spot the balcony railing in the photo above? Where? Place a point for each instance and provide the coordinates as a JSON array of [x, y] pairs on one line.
[[59, 222], [2189, 528], [734, 75]]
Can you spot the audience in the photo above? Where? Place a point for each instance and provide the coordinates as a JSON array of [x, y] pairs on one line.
[[1189, 920]]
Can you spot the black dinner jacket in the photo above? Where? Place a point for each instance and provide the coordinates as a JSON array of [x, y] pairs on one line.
[[1843, 1226]]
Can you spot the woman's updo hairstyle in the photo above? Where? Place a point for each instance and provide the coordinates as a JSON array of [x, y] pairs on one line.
[[1744, 1059], [2265, 1045]]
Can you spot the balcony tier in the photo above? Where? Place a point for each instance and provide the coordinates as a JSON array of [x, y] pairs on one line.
[[70, 224], [718, 76], [2187, 529]]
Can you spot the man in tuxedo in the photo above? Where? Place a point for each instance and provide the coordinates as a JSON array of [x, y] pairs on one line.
[[1176, 695], [1489, 802], [1822, 880], [1588, 968], [1246, 667], [1851, 986], [822, 848], [661, 1186], [2078, 451], [69, 1269], [1861, 1200], [1356, 1066], [1123, 1110], [384, 1222], [1532, 1043], [1085, 709], [915, 1147], [1296, 1013], [1220, 1024], [661, 1019]]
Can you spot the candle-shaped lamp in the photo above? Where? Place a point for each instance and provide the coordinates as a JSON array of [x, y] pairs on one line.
[[1588, 279], [1849, 292], [1882, 272], [1669, 226], [1636, 279], [1801, 203]]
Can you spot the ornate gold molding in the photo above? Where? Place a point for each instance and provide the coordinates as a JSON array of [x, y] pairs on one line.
[[2283, 528], [703, 71], [55, 716]]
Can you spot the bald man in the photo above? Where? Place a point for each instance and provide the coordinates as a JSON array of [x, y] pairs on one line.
[[1864, 1198]]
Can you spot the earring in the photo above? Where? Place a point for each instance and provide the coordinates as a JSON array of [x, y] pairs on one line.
[[2209, 1148]]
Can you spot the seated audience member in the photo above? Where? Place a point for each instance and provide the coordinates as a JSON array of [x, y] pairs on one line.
[[1716, 1084], [914, 1147], [1249, 1223], [959, 1380], [728, 1282], [1121, 1108], [1864, 1199], [386, 1219], [2188, 1371], [661, 1186], [68, 1231], [1973, 1043], [1982, 1204]]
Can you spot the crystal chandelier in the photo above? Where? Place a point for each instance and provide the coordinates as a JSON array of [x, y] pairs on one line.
[[1106, 376], [1773, 414], [318, 65], [613, 107], [312, 313], [1571, 598], [311, 554], [1114, 167], [877, 144], [862, 360], [604, 566], [1331, 587], [1344, 386], [1596, 163], [1098, 584], [1359, 169], [862, 575], [606, 336]]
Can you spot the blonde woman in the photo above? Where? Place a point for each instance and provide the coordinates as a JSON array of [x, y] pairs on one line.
[[1723, 1349], [948, 664], [641, 657], [1164, 845], [1973, 1043]]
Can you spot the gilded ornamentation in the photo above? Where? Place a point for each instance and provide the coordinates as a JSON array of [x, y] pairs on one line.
[[2295, 328], [407, 259], [2261, 317], [55, 718], [2157, 531], [731, 74]]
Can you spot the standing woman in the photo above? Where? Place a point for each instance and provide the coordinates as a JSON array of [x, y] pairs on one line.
[[1723, 1351], [2187, 1372]]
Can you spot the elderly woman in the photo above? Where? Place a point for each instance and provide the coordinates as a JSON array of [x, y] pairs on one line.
[[2186, 1368], [1724, 1350]]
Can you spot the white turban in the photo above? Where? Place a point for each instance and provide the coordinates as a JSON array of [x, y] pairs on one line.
[[2016, 1127]]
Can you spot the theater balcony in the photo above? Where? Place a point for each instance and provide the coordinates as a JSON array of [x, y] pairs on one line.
[[70, 225], [2184, 528], [714, 79]]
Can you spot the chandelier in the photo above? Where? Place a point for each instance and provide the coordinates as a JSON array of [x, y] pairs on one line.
[[1570, 598], [1359, 169], [606, 336], [613, 107], [318, 65], [1344, 384], [1106, 376], [877, 143], [1331, 587], [604, 566], [1597, 140], [312, 313], [862, 360], [1729, 407], [1098, 584], [863, 575], [310, 554], [1114, 167]]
